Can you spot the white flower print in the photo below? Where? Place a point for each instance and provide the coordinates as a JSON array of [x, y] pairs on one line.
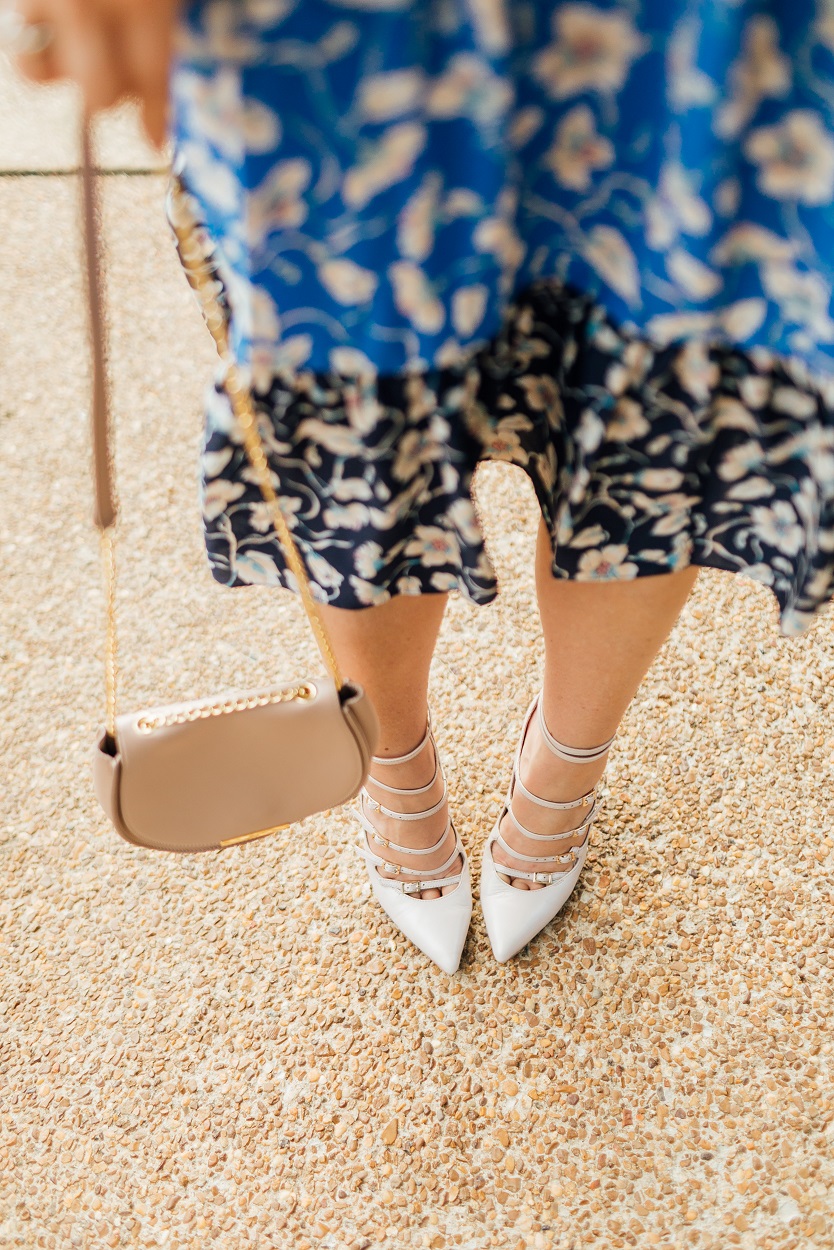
[[348, 488], [416, 447], [368, 559], [687, 84], [671, 523], [590, 536], [260, 127], [727, 197], [803, 298], [795, 158], [738, 461], [338, 439], [504, 444], [276, 204], [347, 282], [215, 105], [695, 371], [824, 25], [387, 162], [668, 328], [754, 390], [542, 395], [694, 278], [265, 13], [578, 149], [266, 323], [214, 462], [463, 516], [349, 516], [606, 251], [218, 494], [382, 97], [761, 72], [416, 223], [469, 88], [751, 488], [415, 297], [432, 545], [815, 445], [256, 568], [607, 564], [797, 403], [675, 209], [211, 179], [727, 413], [760, 573], [461, 202], [594, 51], [749, 242], [367, 593], [742, 319], [492, 30], [409, 586], [498, 237], [524, 125], [322, 571], [350, 362], [590, 431], [778, 527], [444, 581], [269, 360], [220, 37], [626, 422], [659, 479], [468, 308]]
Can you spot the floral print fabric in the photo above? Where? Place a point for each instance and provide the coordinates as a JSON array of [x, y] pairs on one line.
[[593, 240], [643, 461], [384, 177]]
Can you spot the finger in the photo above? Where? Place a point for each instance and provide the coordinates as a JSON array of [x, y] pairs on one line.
[[146, 37], [86, 50]]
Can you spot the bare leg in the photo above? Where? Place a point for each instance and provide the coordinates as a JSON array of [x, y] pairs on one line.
[[600, 639], [388, 650]]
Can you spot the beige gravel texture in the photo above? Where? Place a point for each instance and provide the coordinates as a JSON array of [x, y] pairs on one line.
[[237, 1049]]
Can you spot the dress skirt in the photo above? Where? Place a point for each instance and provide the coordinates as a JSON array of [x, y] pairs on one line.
[[592, 240]]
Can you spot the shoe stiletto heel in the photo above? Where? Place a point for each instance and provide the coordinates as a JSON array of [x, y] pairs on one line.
[[437, 926], [513, 916]]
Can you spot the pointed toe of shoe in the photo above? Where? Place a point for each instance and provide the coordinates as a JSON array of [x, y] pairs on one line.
[[438, 927], [514, 917], [509, 923]]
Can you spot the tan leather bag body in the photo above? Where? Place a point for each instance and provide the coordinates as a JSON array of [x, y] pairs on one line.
[[224, 771]]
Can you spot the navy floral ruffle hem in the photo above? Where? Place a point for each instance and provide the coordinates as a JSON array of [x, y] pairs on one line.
[[644, 461]]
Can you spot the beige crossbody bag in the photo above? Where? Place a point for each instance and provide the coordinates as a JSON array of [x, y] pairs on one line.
[[226, 770]]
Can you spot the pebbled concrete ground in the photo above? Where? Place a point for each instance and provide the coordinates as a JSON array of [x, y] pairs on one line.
[[237, 1049]]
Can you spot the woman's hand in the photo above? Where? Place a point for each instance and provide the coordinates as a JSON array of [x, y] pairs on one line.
[[111, 48]]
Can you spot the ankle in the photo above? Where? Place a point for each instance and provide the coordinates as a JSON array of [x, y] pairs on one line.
[[554, 779], [413, 772]]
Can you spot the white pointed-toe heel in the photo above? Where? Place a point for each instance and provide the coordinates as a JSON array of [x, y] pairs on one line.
[[513, 917], [436, 926]]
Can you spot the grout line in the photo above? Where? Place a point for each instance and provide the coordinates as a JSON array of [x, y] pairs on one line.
[[68, 173]]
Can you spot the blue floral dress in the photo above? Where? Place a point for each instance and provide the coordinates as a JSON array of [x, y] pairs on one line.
[[592, 239]]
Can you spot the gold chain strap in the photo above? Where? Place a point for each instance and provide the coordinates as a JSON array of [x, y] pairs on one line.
[[240, 399]]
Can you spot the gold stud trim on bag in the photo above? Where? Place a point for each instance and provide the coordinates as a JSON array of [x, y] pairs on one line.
[[251, 837], [202, 711]]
